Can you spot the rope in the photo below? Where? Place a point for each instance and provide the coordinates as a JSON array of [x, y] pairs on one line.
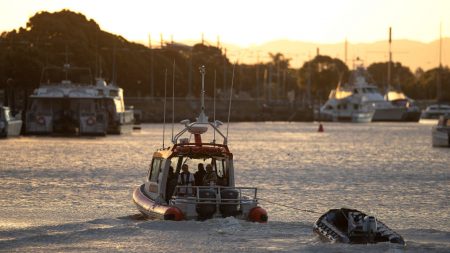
[[298, 209]]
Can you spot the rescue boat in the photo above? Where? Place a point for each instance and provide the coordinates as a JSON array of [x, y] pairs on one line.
[[354, 227], [163, 197]]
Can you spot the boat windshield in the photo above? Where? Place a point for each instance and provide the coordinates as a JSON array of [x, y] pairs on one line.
[[219, 166]]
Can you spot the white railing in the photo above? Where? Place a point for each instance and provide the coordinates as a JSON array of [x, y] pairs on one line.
[[245, 194]]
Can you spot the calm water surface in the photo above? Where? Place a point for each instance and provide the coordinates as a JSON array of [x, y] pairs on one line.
[[74, 194]]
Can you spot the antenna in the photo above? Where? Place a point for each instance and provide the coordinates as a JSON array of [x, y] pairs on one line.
[[173, 97], [165, 96], [202, 118], [229, 105], [214, 106]]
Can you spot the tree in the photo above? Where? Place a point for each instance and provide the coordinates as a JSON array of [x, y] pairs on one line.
[[324, 73], [401, 77]]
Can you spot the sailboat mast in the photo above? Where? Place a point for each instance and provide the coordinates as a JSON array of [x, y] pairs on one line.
[[345, 51], [390, 62], [439, 84]]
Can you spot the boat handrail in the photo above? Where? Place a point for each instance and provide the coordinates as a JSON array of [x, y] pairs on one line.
[[218, 199]]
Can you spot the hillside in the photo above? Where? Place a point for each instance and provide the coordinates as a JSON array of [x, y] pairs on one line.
[[410, 53]]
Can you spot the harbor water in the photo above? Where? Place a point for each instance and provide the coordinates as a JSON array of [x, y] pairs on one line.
[[74, 194]]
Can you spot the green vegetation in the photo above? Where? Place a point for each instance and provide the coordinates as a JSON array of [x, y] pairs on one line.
[[140, 69]]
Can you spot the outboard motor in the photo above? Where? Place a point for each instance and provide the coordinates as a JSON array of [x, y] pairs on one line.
[[230, 206], [370, 227], [207, 210]]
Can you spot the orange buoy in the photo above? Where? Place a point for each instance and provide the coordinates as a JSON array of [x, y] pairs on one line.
[[173, 213], [320, 130], [258, 214]]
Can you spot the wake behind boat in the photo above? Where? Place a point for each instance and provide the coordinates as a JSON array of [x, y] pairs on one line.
[[170, 194], [355, 227]]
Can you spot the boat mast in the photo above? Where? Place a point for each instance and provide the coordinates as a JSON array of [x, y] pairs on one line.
[[165, 99], [389, 63], [439, 84]]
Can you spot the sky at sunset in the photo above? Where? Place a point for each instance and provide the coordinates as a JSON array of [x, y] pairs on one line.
[[249, 22]]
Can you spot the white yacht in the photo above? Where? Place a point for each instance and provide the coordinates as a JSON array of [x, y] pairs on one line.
[[350, 102], [435, 111], [9, 125], [67, 102], [360, 101], [441, 132]]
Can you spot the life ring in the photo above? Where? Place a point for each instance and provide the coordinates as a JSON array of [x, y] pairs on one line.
[[90, 121], [40, 120]]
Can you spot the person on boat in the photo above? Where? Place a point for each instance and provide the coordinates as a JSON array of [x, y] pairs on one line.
[[171, 184], [210, 177], [186, 180], [199, 175]]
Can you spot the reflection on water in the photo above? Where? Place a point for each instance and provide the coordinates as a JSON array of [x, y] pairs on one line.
[[73, 189]]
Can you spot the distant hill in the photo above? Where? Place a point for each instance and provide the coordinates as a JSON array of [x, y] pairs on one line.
[[410, 53]]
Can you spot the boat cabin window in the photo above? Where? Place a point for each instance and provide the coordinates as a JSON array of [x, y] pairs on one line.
[[218, 164], [41, 106], [114, 93], [87, 106], [154, 169], [220, 168]]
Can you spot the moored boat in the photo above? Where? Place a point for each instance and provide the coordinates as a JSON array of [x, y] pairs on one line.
[[435, 111], [355, 227], [67, 103], [170, 195], [441, 132], [350, 102]]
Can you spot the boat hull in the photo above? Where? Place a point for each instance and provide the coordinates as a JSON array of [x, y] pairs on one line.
[[11, 128], [188, 208], [411, 116], [440, 137], [147, 206], [389, 114], [354, 117]]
